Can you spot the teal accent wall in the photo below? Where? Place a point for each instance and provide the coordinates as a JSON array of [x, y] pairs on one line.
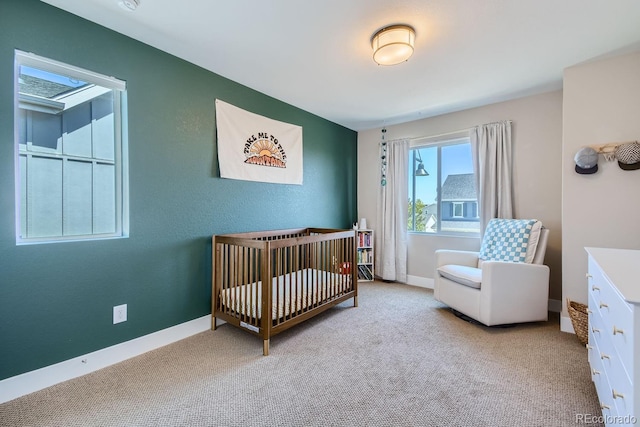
[[56, 300]]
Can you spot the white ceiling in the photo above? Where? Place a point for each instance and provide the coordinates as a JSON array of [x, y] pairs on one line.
[[316, 55]]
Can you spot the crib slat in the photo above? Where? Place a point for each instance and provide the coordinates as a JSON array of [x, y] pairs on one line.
[[245, 284], [249, 286], [309, 269], [321, 259], [265, 275], [318, 273], [281, 296], [292, 291], [227, 277], [333, 263], [292, 287], [225, 283], [269, 279], [233, 283], [319, 269]]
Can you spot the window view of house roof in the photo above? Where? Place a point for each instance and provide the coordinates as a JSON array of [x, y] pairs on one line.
[[52, 93], [459, 187], [31, 85], [431, 209]]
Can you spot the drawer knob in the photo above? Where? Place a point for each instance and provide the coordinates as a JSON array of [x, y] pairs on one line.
[[594, 372], [588, 346], [603, 406], [616, 394], [595, 330], [588, 275], [604, 356], [595, 288], [602, 304], [589, 311], [617, 331]]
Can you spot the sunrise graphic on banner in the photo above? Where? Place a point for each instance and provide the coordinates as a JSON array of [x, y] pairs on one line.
[[255, 148]]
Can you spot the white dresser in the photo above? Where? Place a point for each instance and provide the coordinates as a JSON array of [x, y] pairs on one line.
[[614, 332]]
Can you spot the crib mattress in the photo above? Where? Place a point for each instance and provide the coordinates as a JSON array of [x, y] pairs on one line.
[[291, 293]]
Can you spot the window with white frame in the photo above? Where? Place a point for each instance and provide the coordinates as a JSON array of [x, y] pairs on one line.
[[457, 209], [442, 192], [71, 152]]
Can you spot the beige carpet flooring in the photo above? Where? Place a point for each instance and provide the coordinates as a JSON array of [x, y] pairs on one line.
[[399, 359]]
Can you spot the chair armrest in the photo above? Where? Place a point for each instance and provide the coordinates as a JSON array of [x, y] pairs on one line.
[[509, 288], [447, 256], [499, 276]]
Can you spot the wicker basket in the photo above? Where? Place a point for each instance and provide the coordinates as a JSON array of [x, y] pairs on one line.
[[580, 320]]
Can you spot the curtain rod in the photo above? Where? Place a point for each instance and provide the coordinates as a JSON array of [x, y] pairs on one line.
[[446, 133], [417, 138], [456, 131], [440, 135]]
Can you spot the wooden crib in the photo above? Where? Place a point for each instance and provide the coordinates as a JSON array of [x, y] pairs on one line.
[[306, 271]]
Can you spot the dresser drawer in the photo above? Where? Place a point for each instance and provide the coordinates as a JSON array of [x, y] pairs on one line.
[[622, 395], [605, 350], [600, 379], [611, 351], [615, 385], [610, 303]]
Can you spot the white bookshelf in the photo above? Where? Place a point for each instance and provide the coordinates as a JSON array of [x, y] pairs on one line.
[[365, 255]]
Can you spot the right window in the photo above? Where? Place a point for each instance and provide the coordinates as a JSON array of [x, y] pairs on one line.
[[442, 189]]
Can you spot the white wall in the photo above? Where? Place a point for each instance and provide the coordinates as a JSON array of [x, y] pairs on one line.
[[537, 140], [601, 105]]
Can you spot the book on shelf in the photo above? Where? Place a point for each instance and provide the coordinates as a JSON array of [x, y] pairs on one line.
[[364, 272], [365, 256], [364, 239]]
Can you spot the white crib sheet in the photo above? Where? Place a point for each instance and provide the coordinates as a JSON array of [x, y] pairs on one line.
[[291, 293]]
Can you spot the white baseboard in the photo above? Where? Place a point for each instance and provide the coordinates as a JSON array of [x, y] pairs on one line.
[[422, 282], [20, 385], [566, 325]]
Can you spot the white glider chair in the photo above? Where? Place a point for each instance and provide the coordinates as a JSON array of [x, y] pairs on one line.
[[506, 282]]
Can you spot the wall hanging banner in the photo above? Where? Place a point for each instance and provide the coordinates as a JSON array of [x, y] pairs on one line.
[[255, 148]]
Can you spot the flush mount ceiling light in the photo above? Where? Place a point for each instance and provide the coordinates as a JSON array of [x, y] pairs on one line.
[[393, 45], [129, 5]]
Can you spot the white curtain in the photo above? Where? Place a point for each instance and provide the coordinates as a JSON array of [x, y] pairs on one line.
[[492, 162], [391, 226]]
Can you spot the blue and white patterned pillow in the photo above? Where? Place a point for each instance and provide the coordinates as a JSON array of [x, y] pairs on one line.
[[506, 240]]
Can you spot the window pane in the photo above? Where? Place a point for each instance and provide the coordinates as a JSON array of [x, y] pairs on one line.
[[104, 191], [458, 210], [44, 132], [76, 137], [44, 197], [458, 190], [103, 127], [423, 189], [77, 198]]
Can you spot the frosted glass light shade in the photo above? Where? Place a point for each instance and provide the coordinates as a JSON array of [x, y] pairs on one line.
[[393, 45], [129, 5]]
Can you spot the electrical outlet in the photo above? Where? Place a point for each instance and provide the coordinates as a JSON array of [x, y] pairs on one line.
[[119, 313]]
